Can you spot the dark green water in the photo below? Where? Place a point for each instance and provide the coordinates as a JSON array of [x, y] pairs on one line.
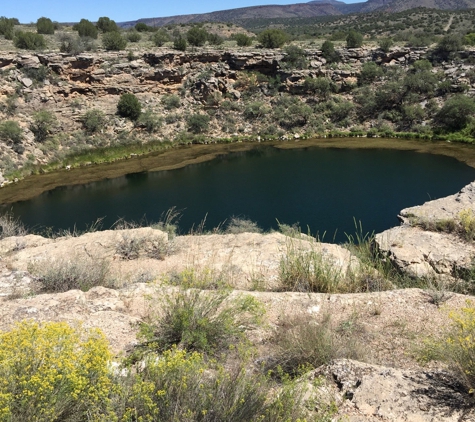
[[322, 188]]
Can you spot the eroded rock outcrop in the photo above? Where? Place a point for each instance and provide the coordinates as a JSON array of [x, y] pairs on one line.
[[429, 244]]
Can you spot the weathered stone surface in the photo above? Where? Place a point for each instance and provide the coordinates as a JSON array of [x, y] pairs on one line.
[[427, 254], [430, 254], [443, 208], [377, 393]]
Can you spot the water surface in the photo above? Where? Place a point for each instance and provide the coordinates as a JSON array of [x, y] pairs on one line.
[[323, 189]]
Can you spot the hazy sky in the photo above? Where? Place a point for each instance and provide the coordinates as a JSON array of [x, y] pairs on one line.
[[120, 10]]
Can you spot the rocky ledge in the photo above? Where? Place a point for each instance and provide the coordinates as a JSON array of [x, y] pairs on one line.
[[434, 239], [387, 383]]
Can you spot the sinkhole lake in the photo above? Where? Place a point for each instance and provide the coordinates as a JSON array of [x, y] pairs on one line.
[[322, 189]]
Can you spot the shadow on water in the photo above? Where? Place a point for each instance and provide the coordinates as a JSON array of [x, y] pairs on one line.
[[322, 188]]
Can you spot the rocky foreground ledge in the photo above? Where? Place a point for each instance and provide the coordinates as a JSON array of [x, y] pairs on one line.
[[385, 383]]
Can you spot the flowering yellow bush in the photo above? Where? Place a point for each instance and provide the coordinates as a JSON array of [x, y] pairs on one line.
[[461, 342], [53, 372]]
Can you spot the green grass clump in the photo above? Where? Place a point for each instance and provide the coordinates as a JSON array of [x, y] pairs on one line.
[[200, 321]]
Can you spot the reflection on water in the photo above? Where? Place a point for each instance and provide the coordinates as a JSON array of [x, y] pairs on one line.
[[323, 189]]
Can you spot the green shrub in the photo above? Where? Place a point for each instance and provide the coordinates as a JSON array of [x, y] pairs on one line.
[[53, 372], [320, 86], [7, 27], [309, 270], [76, 45], [29, 40], [42, 125], [198, 123], [385, 44], [63, 274], [197, 36], [243, 40], [143, 27], [354, 39], [129, 106], [86, 28], [456, 113], [449, 44], [295, 57], [160, 37], [94, 120], [273, 38], [105, 24], [328, 52], [10, 131], [149, 121], [134, 36], [38, 74], [180, 43], [113, 41], [256, 110], [238, 225], [370, 71], [215, 39], [44, 26], [171, 101], [203, 321]]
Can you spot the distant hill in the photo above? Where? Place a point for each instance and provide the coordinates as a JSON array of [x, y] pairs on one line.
[[314, 8], [253, 12], [402, 5]]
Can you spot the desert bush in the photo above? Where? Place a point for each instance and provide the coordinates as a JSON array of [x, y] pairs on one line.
[[308, 270], [171, 101], [460, 342], [129, 247], [202, 321], [42, 125], [385, 44], [273, 38], [143, 27], [180, 43], [7, 27], [76, 45], [449, 45], [134, 36], [300, 344], [198, 123], [295, 57], [466, 218], [215, 39], [129, 106], [86, 28], [242, 40], [105, 24], [114, 41], [29, 40], [238, 225], [149, 121], [370, 71], [53, 372], [354, 39], [160, 37], [182, 386], [328, 52], [62, 274], [94, 120], [44, 26], [10, 131], [455, 114], [320, 86], [256, 110], [37, 74], [197, 36], [11, 226]]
